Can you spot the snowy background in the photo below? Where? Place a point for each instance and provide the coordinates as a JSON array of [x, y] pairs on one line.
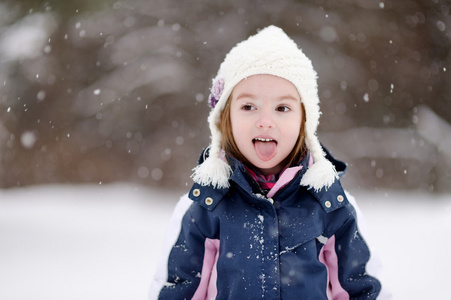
[[102, 242], [103, 114], [116, 91]]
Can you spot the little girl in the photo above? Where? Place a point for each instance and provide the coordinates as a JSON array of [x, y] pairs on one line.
[[267, 217]]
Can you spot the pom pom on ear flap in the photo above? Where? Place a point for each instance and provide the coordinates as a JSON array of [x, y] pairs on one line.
[[321, 174], [213, 171]]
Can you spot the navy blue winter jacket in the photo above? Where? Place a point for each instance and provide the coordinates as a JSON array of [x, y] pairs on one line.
[[234, 243]]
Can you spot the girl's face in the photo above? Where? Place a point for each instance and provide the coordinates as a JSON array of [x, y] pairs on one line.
[[266, 116]]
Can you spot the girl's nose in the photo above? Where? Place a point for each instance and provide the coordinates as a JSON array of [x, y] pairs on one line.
[[265, 121]]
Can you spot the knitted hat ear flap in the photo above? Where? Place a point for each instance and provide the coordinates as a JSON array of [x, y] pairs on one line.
[[214, 170], [322, 173]]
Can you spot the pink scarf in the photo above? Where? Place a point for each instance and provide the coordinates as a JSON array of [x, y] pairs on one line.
[[266, 182]]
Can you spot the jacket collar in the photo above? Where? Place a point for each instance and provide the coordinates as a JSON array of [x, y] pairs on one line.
[[209, 197]]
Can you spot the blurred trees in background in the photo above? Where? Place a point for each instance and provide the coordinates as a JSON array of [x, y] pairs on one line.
[[102, 91]]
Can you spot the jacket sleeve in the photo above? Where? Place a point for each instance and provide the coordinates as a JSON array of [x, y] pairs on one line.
[[375, 265], [178, 273], [353, 255]]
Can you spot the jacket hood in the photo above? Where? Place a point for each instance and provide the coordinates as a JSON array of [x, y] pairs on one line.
[[209, 196]]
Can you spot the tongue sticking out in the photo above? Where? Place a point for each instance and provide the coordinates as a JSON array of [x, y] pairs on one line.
[[265, 150]]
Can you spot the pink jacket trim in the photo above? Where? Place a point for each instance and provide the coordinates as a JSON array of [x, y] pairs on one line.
[[329, 258], [286, 177], [207, 287]]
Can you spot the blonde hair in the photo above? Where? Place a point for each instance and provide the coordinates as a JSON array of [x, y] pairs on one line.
[[229, 145]]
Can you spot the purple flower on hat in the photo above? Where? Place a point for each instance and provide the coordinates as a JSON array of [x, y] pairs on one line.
[[216, 92]]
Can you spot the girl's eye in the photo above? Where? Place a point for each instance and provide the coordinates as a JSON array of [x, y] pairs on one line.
[[283, 108], [247, 107]]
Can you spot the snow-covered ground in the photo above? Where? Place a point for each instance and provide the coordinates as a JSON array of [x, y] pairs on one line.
[[101, 242]]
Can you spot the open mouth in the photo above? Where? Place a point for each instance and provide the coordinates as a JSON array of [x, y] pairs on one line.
[[266, 148], [263, 140]]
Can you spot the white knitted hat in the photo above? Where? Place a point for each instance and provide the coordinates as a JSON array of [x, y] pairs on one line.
[[269, 52]]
